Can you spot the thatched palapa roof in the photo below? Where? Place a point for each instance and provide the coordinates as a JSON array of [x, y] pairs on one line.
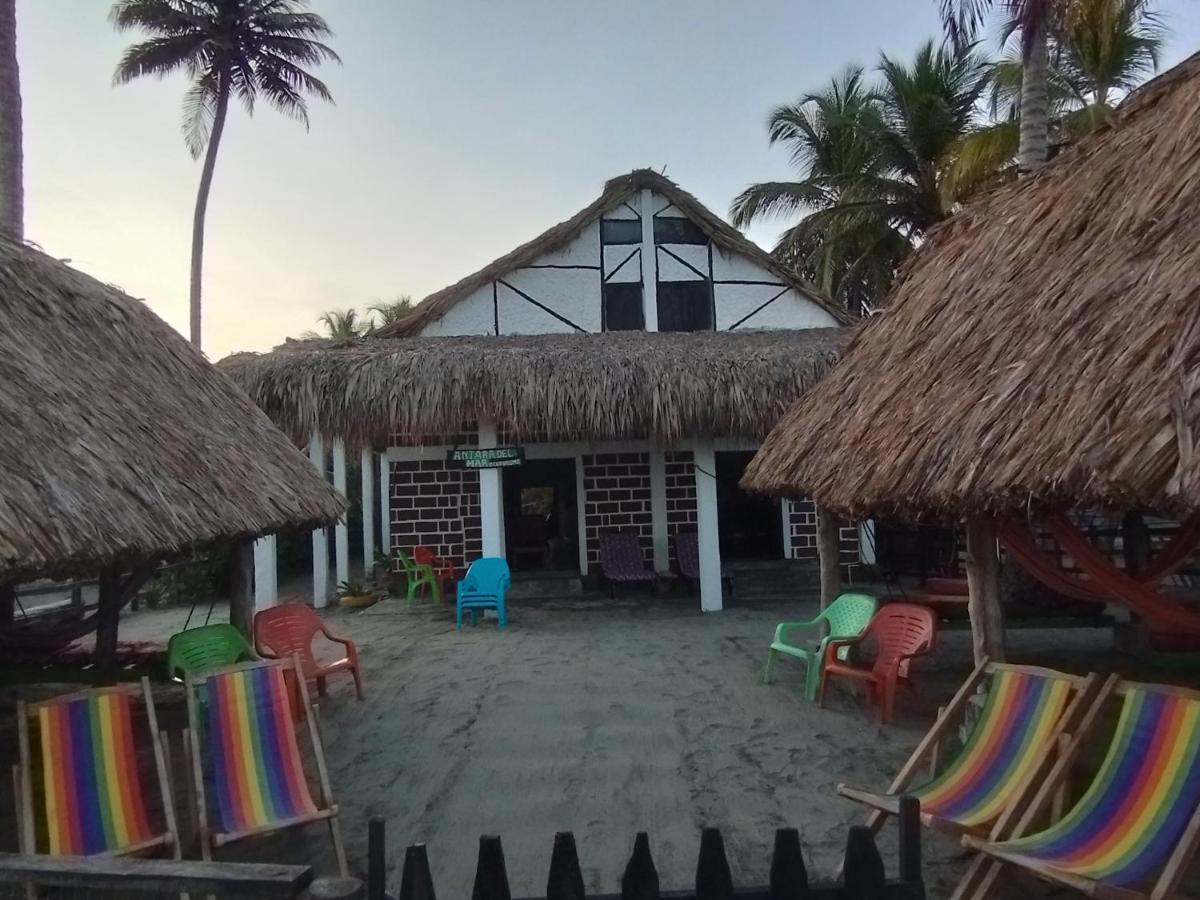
[[616, 191], [567, 386], [1041, 350], [120, 443]]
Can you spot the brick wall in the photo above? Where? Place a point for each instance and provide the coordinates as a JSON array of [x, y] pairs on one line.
[[616, 488], [802, 520], [681, 496], [436, 505]]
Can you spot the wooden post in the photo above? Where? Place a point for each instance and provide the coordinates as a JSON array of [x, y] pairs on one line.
[[108, 616], [241, 597], [8, 602], [983, 582], [829, 555]]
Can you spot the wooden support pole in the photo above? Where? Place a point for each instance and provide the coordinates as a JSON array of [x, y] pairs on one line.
[[108, 616], [829, 556], [8, 602], [241, 596], [983, 583]]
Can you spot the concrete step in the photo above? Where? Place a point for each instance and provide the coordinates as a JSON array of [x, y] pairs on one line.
[[542, 585]]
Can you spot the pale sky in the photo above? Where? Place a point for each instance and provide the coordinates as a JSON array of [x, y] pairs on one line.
[[461, 129]]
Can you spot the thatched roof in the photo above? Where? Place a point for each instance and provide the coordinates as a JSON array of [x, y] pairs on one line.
[[1042, 349], [119, 443], [565, 386], [616, 191]]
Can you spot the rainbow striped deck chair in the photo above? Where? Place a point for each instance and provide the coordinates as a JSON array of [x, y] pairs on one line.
[[93, 797], [1024, 711], [1136, 828], [248, 774]]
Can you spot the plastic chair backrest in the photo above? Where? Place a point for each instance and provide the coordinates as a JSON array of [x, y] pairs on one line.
[[423, 556], [206, 647], [849, 614], [621, 552], [901, 629], [406, 562], [687, 551], [286, 629], [487, 575]]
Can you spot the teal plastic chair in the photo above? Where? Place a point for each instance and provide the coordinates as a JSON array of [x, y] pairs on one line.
[[847, 617], [207, 647], [483, 587], [418, 575]]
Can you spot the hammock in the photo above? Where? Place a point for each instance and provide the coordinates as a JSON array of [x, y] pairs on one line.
[[1108, 582]]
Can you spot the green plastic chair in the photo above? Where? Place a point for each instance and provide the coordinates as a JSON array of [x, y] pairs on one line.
[[206, 647], [418, 574], [847, 616]]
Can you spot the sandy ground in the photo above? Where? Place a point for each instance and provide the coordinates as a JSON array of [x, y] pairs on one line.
[[605, 720]]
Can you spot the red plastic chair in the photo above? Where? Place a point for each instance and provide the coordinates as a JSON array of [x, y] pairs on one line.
[[287, 629], [443, 569], [900, 632]]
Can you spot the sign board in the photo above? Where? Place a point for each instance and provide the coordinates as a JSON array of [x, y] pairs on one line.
[[487, 458]]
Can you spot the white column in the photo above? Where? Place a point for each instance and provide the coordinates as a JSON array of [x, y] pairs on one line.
[[367, 468], [320, 537], [707, 535], [385, 504], [785, 512], [866, 542], [491, 497], [649, 262], [341, 534], [266, 573], [581, 510], [658, 509]]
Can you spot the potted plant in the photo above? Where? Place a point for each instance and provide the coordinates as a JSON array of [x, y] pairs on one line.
[[355, 593]]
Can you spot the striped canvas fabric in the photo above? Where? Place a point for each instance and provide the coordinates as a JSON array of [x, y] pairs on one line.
[[93, 795], [257, 776], [1124, 828], [1008, 740]]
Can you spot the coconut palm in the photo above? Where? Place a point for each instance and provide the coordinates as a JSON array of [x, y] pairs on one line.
[[339, 325], [247, 48], [386, 314], [12, 191], [872, 164]]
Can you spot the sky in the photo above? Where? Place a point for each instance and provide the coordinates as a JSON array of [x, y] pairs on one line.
[[461, 129]]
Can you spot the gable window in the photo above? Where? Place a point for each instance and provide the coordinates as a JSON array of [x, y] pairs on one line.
[[623, 307], [678, 231], [684, 306], [620, 231]]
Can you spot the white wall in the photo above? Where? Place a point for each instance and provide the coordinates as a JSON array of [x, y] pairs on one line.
[[555, 281]]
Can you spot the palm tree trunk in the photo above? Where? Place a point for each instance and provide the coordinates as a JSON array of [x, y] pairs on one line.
[[12, 191], [1035, 113], [206, 177]]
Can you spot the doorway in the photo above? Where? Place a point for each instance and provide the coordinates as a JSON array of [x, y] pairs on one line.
[[749, 525], [541, 516]]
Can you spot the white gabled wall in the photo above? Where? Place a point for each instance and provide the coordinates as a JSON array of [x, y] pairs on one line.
[[568, 284]]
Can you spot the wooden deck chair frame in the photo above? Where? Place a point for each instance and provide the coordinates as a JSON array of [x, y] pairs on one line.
[[23, 773], [990, 862], [210, 838]]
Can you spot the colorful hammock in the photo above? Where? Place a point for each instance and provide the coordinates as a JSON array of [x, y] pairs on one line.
[[93, 795], [1134, 814], [1008, 741], [257, 775]]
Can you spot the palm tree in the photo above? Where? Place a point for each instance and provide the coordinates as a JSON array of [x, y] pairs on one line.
[[390, 313], [243, 47], [873, 164], [340, 325], [1034, 20], [12, 190]]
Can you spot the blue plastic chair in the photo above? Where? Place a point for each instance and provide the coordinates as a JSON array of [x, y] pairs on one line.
[[483, 587]]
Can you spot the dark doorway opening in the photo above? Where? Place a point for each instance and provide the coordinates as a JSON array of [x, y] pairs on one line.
[[749, 525], [541, 516]]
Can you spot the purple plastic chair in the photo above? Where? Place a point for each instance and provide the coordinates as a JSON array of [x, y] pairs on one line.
[[621, 560]]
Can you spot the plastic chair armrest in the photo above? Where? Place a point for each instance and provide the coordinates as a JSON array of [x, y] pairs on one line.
[[782, 629]]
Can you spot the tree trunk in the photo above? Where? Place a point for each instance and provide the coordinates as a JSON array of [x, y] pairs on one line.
[[828, 552], [1034, 145], [108, 617], [983, 583], [241, 598], [206, 177], [12, 190]]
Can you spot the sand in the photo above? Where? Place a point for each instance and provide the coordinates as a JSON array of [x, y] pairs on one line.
[[606, 719]]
